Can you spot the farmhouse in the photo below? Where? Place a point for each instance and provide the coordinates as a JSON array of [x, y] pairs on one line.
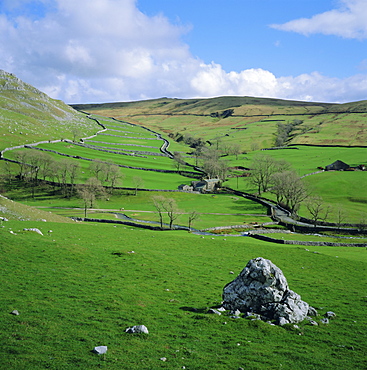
[[207, 185], [185, 187], [337, 166]]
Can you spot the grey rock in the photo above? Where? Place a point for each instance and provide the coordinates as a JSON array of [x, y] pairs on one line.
[[330, 314], [313, 323], [262, 288], [137, 329], [325, 320], [100, 350], [312, 311], [38, 231], [282, 321], [15, 312], [164, 359], [214, 311], [236, 312], [252, 316]]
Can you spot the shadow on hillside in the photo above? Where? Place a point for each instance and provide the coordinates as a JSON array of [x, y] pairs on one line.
[[193, 309]]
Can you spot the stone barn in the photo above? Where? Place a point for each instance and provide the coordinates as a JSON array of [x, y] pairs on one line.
[[337, 166]]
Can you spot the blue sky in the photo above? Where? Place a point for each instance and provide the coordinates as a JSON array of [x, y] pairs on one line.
[[119, 50]]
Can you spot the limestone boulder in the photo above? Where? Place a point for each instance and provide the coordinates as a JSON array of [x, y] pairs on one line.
[[262, 288], [137, 329]]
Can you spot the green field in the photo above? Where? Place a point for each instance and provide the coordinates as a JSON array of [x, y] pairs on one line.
[[214, 210], [76, 290]]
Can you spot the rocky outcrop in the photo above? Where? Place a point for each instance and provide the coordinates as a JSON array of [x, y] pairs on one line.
[[262, 289]]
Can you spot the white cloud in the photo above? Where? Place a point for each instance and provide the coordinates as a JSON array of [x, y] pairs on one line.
[[107, 50], [212, 80], [348, 21]]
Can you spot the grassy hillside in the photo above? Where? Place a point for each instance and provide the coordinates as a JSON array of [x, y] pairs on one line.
[[27, 115], [17, 211], [241, 105], [251, 120], [82, 286]]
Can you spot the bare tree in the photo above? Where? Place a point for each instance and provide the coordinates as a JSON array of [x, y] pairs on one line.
[[158, 202], [73, 169], [89, 192], [138, 182], [62, 175], [263, 167], [112, 175], [20, 157], [193, 216], [45, 165], [317, 209], [289, 189], [96, 168], [197, 153], [340, 217], [235, 149], [168, 206], [212, 165], [178, 161], [34, 159], [173, 213], [8, 172], [66, 172]]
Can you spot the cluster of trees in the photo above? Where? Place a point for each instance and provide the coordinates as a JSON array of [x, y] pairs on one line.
[[188, 139], [277, 177], [168, 206], [107, 173], [208, 159], [35, 166], [91, 190], [212, 164], [284, 131], [224, 114]]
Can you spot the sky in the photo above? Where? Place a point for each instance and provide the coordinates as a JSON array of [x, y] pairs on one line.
[[95, 51]]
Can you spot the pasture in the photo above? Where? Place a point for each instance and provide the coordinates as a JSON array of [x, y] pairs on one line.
[[81, 286], [213, 210]]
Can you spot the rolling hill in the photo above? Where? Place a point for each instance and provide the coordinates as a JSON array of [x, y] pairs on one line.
[[247, 121]]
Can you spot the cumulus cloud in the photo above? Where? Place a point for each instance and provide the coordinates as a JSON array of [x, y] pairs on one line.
[[108, 50], [348, 21]]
